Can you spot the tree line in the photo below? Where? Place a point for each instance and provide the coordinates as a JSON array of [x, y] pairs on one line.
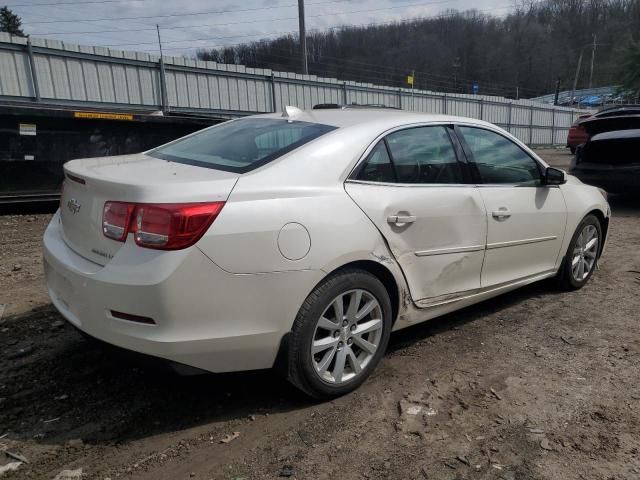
[[521, 54]]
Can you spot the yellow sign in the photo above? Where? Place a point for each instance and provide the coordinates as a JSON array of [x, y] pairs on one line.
[[103, 116], [410, 79]]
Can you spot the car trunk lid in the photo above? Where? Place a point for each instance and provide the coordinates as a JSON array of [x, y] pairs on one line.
[[89, 183]]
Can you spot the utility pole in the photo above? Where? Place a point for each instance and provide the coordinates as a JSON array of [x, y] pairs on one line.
[[593, 56], [575, 79], [555, 98], [163, 78], [413, 82], [303, 39]]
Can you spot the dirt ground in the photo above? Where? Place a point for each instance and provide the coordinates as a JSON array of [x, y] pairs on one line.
[[535, 384]]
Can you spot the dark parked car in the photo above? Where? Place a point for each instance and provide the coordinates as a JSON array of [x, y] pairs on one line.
[[578, 134], [610, 158]]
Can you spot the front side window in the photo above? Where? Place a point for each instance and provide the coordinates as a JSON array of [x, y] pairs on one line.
[[241, 145], [423, 155], [499, 160]]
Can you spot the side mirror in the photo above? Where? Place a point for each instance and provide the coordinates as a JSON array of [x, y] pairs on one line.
[[554, 176]]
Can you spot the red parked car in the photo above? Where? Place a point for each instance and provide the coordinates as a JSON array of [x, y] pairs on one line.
[[577, 134]]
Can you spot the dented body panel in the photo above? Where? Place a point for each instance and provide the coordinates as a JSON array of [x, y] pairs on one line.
[[441, 252]]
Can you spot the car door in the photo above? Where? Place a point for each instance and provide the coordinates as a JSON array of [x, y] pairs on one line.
[[525, 218], [411, 186]]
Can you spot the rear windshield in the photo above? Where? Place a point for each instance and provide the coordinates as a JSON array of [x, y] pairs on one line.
[[241, 145]]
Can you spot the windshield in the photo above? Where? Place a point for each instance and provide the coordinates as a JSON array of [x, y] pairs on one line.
[[241, 145]]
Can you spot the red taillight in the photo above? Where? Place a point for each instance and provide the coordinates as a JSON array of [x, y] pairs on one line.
[[115, 220], [164, 226]]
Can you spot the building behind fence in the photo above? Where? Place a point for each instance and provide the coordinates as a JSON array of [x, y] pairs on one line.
[[54, 73]]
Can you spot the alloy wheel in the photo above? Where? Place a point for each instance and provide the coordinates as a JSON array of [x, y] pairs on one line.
[[347, 336], [585, 252]]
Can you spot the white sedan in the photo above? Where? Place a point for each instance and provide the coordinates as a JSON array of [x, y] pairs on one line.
[[309, 237]]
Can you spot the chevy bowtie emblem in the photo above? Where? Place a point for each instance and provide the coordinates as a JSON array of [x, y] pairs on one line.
[[74, 206]]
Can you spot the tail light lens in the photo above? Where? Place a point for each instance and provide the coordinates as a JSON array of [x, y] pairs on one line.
[[163, 226], [115, 220]]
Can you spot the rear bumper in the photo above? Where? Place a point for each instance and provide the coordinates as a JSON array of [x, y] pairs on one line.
[[612, 179], [204, 317]]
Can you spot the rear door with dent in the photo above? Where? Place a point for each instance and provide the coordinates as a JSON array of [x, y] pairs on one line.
[[414, 187]]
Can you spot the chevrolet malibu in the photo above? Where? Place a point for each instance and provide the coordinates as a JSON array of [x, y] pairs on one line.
[[310, 237]]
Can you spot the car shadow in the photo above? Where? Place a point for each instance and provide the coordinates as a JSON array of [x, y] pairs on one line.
[[73, 387]]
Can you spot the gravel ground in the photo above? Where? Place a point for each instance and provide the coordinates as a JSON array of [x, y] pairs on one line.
[[535, 384]]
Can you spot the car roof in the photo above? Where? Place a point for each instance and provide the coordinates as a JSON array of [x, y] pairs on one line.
[[619, 110], [375, 116]]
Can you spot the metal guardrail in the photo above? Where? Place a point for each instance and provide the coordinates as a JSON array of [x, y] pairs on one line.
[[50, 72]]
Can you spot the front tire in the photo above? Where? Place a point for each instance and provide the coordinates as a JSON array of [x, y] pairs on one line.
[[582, 255], [340, 334]]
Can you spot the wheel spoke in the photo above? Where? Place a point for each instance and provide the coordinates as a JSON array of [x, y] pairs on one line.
[[326, 361], [365, 345], [327, 324], [369, 326], [354, 303], [353, 360], [323, 344], [339, 310], [575, 260], [338, 369], [364, 311], [591, 243]]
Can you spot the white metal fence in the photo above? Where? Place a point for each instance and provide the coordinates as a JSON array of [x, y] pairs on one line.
[[51, 72]]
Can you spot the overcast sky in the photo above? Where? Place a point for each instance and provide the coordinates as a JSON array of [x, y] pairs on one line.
[[189, 24]]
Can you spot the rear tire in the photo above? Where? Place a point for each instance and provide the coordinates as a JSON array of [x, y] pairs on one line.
[[582, 255], [340, 334]]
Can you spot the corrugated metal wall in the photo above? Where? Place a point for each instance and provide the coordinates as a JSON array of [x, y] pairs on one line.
[[52, 72]]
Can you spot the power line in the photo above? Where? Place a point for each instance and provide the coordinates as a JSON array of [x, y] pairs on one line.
[[213, 12], [364, 25], [173, 15], [279, 19], [55, 4]]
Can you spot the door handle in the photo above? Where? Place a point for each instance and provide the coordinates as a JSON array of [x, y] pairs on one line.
[[401, 219], [501, 213]]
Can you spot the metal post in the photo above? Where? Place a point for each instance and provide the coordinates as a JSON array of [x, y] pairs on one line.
[[509, 120], [273, 93], [32, 69], [553, 127], [557, 94], [575, 78], [163, 80], [530, 125], [482, 109], [444, 103], [593, 56], [413, 82], [344, 93], [303, 39], [400, 98]]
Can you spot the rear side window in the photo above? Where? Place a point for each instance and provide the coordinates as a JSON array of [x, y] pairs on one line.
[[423, 155], [378, 166], [241, 145], [499, 160]]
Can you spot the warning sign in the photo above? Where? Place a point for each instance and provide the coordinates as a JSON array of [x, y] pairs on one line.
[[28, 129], [103, 116]]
